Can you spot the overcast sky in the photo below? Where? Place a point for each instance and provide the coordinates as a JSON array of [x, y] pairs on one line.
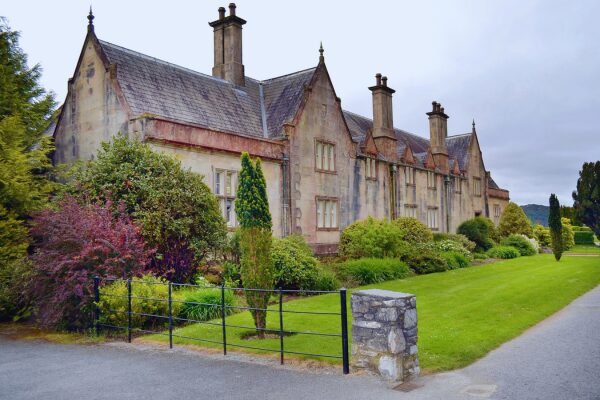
[[527, 71]]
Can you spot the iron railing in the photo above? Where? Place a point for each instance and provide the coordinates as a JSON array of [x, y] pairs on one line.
[[129, 329]]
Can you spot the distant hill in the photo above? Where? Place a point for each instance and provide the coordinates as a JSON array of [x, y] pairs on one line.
[[537, 213]]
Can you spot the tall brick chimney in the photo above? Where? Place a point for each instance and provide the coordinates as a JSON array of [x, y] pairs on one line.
[[383, 119], [228, 46], [438, 132]]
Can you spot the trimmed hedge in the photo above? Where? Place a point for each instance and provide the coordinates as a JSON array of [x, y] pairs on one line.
[[365, 271], [504, 252], [584, 237]]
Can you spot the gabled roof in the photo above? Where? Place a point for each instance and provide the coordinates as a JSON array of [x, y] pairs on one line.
[[458, 148], [156, 87]]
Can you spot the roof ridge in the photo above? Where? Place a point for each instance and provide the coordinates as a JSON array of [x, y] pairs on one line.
[[460, 134], [396, 129], [291, 73], [170, 64]]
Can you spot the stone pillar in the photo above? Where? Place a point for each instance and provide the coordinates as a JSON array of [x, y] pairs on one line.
[[384, 333]]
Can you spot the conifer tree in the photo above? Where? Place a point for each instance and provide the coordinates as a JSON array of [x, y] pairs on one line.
[[555, 225], [252, 208]]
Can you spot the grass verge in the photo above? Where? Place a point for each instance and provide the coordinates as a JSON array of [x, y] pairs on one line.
[[463, 314]]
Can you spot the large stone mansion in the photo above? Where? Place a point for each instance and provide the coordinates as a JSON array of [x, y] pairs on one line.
[[325, 167]]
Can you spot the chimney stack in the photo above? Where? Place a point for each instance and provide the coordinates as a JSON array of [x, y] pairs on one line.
[[228, 47], [383, 121], [438, 132]]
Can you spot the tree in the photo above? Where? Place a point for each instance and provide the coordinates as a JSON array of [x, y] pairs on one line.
[[568, 236], [571, 214], [542, 234], [24, 165], [73, 244], [514, 220], [555, 227], [256, 265], [587, 196], [178, 214]]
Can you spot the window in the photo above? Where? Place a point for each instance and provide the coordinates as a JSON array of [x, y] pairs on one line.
[[497, 213], [409, 175], [371, 168], [410, 210], [477, 186], [225, 187], [431, 180], [327, 213], [457, 185], [432, 218], [325, 156]]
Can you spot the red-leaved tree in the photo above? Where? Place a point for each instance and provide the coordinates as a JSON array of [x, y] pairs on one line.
[[73, 244]]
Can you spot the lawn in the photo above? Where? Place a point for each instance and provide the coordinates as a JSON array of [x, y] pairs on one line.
[[584, 249], [463, 314]]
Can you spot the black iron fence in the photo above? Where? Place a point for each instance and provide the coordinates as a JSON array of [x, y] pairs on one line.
[[171, 319]]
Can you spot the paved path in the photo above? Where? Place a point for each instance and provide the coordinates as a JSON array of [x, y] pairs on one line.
[[557, 359]]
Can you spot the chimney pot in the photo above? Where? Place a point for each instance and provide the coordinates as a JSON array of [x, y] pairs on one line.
[[232, 9], [221, 12], [442, 110], [384, 79], [378, 79]]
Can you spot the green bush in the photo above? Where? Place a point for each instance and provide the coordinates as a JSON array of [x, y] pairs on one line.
[[231, 274], [542, 234], [452, 246], [521, 243], [113, 303], [371, 238], [295, 265], [365, 271], [414, 230], [205, 304], [583, 237], [568, 236], [326, 280], [504, 252], [424, 259], [455, 259], [513, 221], [455, 237], [480, 256], [478, 230]]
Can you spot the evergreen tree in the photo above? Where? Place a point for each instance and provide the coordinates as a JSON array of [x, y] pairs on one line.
[[555, 225], [514, 220], [252, 208], [24, 164], [587, 196]]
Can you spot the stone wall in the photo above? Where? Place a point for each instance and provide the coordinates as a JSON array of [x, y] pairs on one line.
[[384, 333]]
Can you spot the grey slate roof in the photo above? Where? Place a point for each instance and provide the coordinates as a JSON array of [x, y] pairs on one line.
[[156, 87], [458, 147], [492, 184]]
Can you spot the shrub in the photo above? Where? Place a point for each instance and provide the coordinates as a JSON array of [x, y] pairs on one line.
[[581, 228], [504, 252], [514, 220], [231, 274], [176, 210], [455, 259], [74, 244], [452, 246], [424, 259], [113, 303], [414, 230], [521, 243], [477, 230], [583, 237], [371, 238], [480, 256], [542, 234], [326, 280], [205, 304], [365, 271], [568, 236], [455, 237], [295, 265]]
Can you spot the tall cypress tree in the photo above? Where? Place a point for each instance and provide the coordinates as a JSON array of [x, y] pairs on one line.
[[555, 225], [252, 208]]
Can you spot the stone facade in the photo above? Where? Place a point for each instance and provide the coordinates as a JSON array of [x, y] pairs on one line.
[[384, 333], [325, 167]]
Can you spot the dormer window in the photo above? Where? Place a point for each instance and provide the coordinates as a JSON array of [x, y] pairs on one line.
[[371, 168]]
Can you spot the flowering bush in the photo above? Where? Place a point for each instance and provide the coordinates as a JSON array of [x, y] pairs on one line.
[[452, 246], [73, 244]]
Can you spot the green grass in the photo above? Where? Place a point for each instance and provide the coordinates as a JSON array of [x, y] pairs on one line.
[[463, 314], [584, 249]]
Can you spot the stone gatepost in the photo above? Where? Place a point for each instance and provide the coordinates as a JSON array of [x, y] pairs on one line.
[[384, 333]]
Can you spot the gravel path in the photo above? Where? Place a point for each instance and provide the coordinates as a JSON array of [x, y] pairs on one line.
[[557, 359]]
